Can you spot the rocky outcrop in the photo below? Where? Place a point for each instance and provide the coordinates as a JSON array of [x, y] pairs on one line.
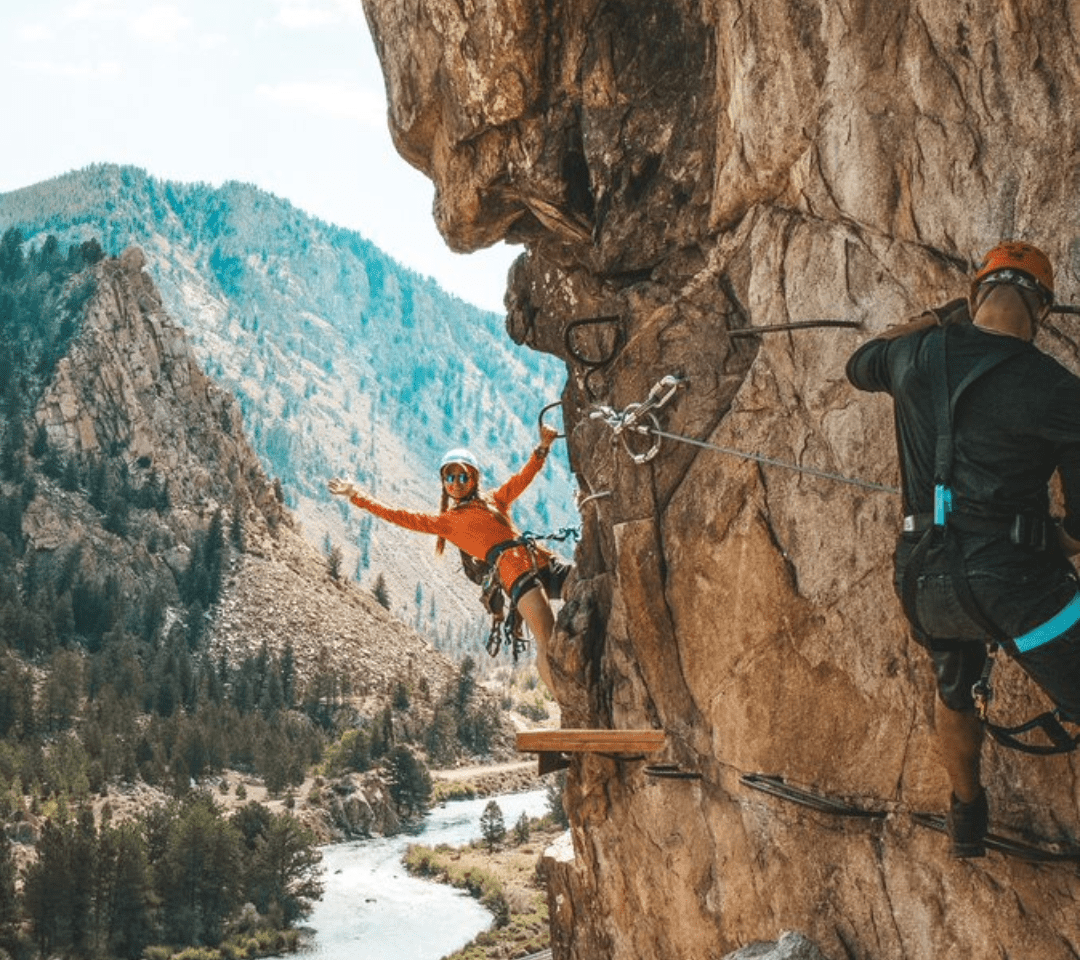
[[356, 807], [678, 172], [130, 385], [129, 390]]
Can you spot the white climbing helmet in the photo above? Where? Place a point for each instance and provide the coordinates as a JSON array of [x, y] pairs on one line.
[[459, 455]]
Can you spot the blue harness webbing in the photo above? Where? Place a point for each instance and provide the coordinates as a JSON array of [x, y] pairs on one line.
[[1068, 616]]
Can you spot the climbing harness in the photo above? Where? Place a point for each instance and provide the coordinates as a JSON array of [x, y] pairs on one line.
[[506, 623], [627, 421], [935, 529]]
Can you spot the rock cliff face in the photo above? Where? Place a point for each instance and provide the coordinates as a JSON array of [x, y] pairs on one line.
[[684, 171]]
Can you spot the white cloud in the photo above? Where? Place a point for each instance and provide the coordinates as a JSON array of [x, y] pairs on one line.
[[34, 32], [305, 14], [160, 24], [211, 41], [72, 71], [343, 100], [93, 10]]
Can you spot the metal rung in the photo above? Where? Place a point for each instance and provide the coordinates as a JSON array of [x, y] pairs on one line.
[[807, 798], [1010, 848], [671, 771]]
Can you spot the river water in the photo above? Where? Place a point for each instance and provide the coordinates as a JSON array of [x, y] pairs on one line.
[[372, 909]]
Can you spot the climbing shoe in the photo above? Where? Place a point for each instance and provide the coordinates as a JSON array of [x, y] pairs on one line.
[[966, 825]]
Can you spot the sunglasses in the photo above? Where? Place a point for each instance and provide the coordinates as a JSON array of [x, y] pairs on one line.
[[455, 477]]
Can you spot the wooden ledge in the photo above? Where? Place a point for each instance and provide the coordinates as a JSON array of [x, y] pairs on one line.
[[551, 745]]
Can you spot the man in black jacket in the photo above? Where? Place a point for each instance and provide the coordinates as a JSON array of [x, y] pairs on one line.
[[983, 420]]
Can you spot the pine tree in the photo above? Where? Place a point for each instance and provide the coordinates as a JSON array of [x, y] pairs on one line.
[[282, 877], [492, 825], [288, 675], [83, 868], [333, 562], [410, 782], [382, 595], [198, 875], [522, 829], [126, 910], [48, 889], [9, 907]]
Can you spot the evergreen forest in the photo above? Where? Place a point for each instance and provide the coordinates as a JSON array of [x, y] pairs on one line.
[[344, 362], [107, 683]]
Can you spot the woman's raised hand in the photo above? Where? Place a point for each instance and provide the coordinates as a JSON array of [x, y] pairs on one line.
[[548, 435], [341, 488]]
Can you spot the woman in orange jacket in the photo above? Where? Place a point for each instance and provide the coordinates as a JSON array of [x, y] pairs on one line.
[[481, 527]]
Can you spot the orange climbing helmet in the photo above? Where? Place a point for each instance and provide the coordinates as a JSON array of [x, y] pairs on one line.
[[1013, 257]]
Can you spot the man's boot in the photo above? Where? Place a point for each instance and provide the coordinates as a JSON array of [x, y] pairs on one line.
[[966, 825], [960, 736]]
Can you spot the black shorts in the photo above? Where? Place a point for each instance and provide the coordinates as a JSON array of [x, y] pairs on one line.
[[958, 661], [551, 577], [957, 669]]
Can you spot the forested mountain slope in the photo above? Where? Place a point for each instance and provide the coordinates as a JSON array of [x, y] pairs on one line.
[[163, 625], [343, 361]]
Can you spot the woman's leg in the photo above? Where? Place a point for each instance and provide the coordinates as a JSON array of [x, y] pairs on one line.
[[534, 607]]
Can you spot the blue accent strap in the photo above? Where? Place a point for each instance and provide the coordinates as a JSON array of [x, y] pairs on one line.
[[1061, 621], [942, 504]]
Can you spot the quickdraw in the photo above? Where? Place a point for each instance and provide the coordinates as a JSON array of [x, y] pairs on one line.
[[629, 420]]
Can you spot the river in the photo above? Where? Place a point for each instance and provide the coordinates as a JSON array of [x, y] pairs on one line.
[[372, 909]]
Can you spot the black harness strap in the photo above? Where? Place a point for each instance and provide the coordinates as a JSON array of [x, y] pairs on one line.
[[1049, 723]]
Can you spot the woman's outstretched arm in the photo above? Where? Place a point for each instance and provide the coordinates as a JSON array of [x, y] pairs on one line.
[[410, 520]]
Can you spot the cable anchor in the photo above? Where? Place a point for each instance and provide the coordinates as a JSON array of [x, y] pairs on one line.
[[630, 419]]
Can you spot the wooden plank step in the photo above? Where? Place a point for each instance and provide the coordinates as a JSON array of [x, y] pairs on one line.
[[551, 745], [590, 741]]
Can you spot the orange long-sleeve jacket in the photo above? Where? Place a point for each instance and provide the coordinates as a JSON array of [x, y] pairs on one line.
[[473, 525]]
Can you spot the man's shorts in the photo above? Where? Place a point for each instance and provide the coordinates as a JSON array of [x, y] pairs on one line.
[[957, 669], [958, 658]]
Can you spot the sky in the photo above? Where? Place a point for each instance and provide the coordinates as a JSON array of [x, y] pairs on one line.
[[284, 94]]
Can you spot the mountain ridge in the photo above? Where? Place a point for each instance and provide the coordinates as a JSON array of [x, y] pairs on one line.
[[321, 337]]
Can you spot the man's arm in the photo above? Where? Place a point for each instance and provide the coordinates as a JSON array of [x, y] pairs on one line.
[[922, 322], [868, 367]]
